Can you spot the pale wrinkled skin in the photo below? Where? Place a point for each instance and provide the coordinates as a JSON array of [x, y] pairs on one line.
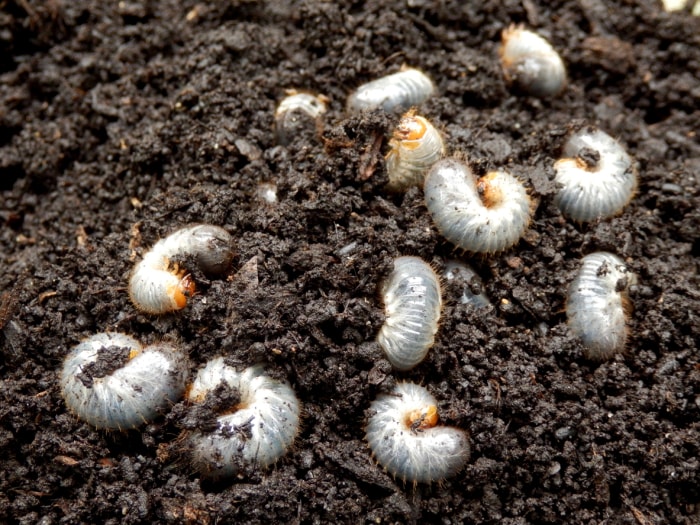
[[256, 433], [292, 113], [153, 286], [418, 456], [412, 301], [454, 202], [531, 63], [130, 396], [392, 93], [597, 305], [409, 160], [597, 191]]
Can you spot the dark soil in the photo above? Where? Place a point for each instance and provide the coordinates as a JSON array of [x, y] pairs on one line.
[[121, 121]]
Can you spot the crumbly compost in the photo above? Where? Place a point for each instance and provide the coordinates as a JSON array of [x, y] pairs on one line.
[[122, 121]]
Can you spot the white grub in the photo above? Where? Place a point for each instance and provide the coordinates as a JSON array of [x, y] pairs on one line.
[[145, 382], [255, 433], [674, 5], [295, 111], [412, 305], [484, 216], [158, 285], [415, 146], [596, 177], [679, 5], [598, 307], [531, 63], [393, 93], [402, 435], [470, 282]]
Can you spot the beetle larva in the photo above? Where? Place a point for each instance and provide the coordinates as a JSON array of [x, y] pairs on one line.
[[402, 435], [293, 111], [256, 432], [531, 63], [412, 303], [393, 93], [112, 382], [484, 216], [597, 306], [157, 286], [596, 178], [415, 147]]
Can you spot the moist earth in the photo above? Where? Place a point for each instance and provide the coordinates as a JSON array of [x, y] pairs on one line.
[[122, 121]]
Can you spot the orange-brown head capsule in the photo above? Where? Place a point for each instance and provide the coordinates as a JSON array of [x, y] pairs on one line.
[[411, 129], [184, 289], [422, 418], [490, 192]]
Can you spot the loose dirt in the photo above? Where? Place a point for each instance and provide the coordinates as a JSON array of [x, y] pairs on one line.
[[122, 121]]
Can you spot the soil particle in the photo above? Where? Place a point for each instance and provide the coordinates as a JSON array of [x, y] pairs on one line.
[[122, 121]]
